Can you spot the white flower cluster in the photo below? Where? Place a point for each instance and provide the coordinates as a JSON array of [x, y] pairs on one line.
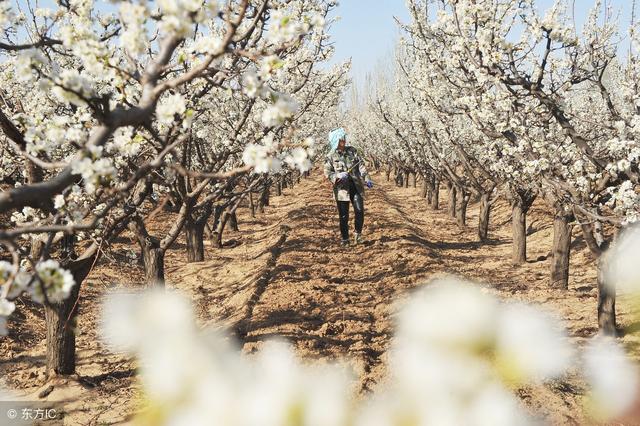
[[26, 62], [6, 309], [621, 271], [457, 353], [253, 86], [93, 172], [283, 28], [199, 379], [50, 283], [169, 107], [267, 158], [125, 143], [7, 16], [71, 86], [179, 16], [262, 157], [283, 108], [134, 37], [457, 347], [53, 283]]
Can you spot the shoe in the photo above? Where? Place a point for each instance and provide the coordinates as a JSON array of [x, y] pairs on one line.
[[344, 243], [357, 239]]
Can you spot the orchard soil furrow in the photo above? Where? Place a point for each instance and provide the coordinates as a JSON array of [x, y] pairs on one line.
[[284, 275]]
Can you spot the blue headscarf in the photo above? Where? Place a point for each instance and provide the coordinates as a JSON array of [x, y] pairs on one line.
[[335, 136]]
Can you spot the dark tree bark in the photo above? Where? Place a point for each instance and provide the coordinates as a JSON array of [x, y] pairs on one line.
[[606, 292], [425, 189], [152, 253], [485, 212], [606, 304], [519, 232], [233, 221], [463, 198], [520, 205], [61, 323], [252, 205], [195, 225], [435, 196], [561, 251], [452, 199], [278, 185], [264, 198], [194, 233]]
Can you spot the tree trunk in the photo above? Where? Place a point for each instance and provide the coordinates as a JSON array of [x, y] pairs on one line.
[[414, 179], [425, 189], [233, 221], [485, 212], [561, 250], [435, 196], [452, 199], [278, 187], [399, 178], [153, 257], [519, 231], [61, 323], [194, 232], [598, 245], [252, 205], [406, 179], [606, 304], [389, 170], [224, 218], [264, 198], [461, 207]]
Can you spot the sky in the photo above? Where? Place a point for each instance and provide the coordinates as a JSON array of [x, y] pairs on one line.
[[367, 30]]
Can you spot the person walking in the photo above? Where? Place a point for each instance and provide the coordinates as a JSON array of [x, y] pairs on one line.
[[348, 174]]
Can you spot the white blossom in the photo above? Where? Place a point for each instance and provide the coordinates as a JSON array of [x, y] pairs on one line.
[[53, 281]]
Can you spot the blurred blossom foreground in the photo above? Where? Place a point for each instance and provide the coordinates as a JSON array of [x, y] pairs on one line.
[[456, 358]]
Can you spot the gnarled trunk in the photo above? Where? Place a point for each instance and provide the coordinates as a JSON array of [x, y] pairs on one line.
[[483, 220], [561, 249], [153, 258], [435, 196], [519, 232], [606, 304], [194, 234], [520, 205], [61, 323], [152, 253], [233, 221], [452, 199], [461, 207], [194, 227], [425, 188], [606, 291]]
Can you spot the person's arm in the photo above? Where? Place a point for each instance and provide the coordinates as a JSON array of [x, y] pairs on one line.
[[329, 171]]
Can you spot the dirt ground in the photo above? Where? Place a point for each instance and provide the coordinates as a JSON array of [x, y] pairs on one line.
[[284, 274]]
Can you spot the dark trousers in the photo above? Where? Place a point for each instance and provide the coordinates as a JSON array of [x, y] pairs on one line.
[[343, 211]]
